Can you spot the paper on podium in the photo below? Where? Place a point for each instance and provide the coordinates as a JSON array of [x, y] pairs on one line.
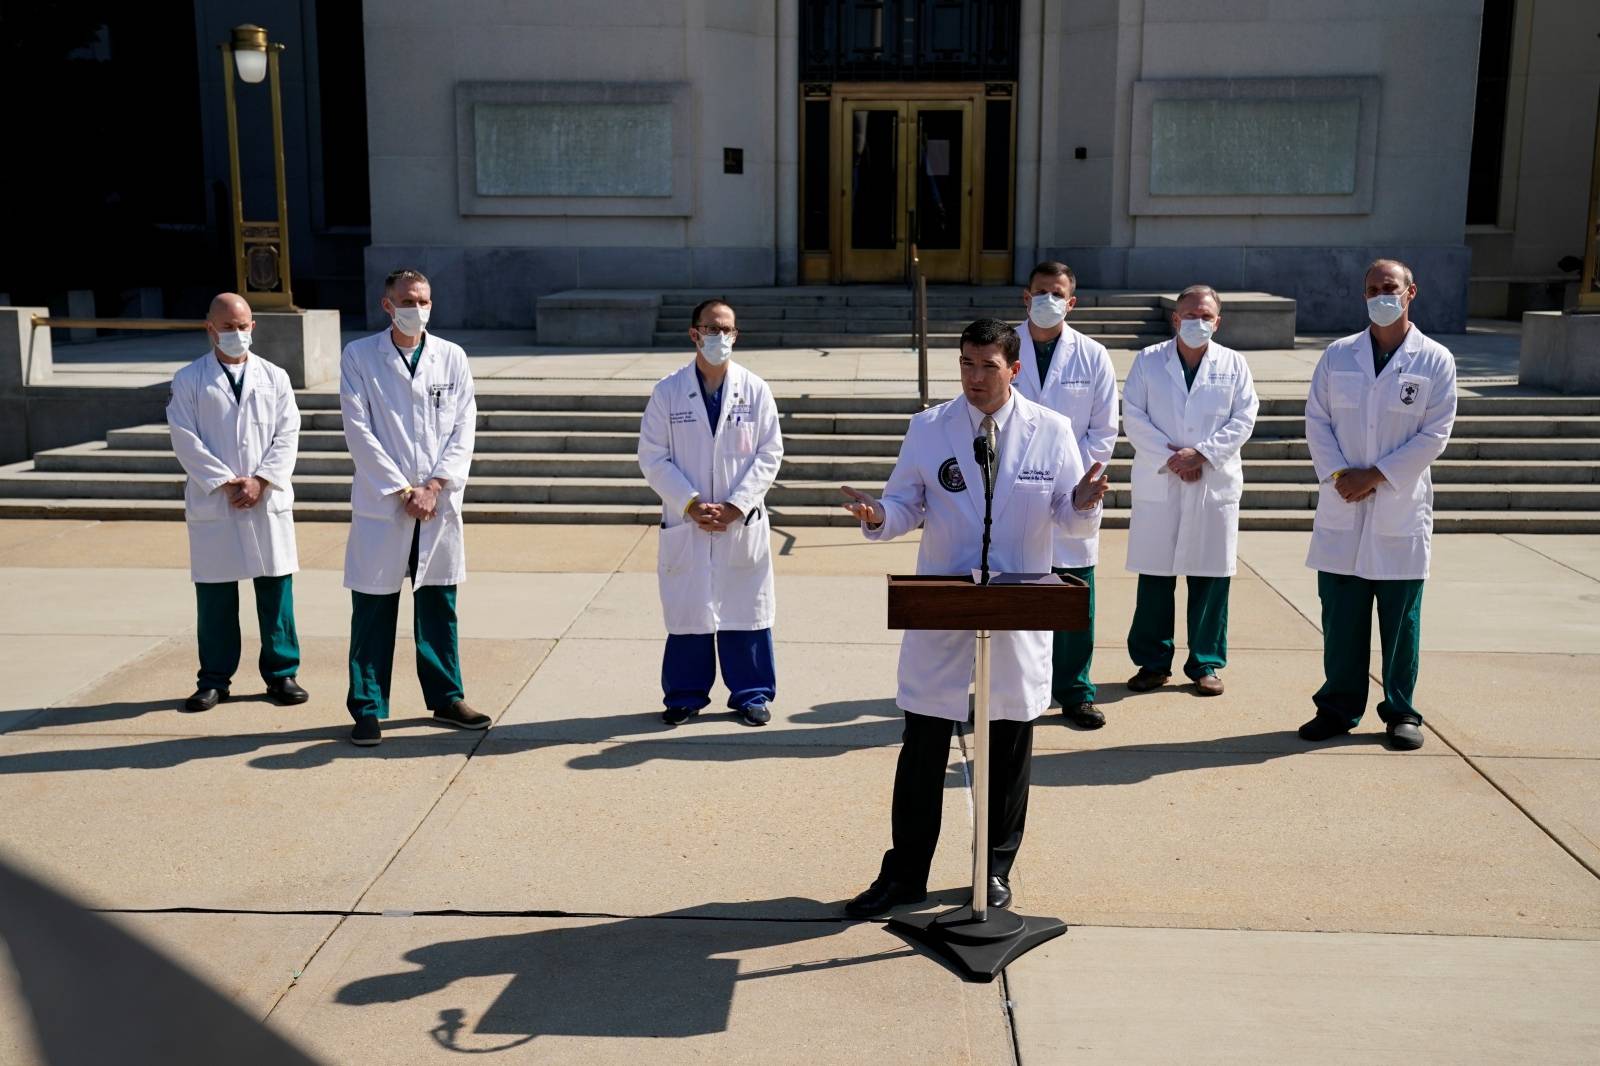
[[1017, 579]]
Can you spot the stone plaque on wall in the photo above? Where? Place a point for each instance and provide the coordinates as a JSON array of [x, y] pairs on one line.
[[1295, 146], [1254, 146], [573, 149]]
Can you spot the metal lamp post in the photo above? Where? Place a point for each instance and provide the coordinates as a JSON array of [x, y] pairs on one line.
[[260, 249]]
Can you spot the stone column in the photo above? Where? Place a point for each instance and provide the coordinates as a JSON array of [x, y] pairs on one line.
[[1030, 70], [787, 183], [24, 359]]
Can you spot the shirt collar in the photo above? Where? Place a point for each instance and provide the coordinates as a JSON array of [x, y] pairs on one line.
[[975, 416]]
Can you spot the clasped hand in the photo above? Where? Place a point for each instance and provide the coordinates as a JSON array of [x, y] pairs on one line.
[[1356, 485], [714, 517], [1187, 463], [422, 502], [244, 492]]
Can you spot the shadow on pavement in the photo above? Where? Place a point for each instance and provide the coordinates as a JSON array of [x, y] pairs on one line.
[[1140, 762], [96, 994], [670, 975]]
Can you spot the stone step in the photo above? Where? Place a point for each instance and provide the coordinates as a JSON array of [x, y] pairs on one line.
[[155, 438], [1511, 401], [1006, 297], [756, 325], [1568, 522], [677, 318], [936, 341], [98, 459], [24, 481]]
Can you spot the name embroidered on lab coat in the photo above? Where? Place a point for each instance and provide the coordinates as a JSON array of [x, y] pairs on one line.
[[1036, 475], [950, 476], [680, 418]]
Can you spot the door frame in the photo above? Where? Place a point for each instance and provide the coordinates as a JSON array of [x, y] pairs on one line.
[[907, 94]]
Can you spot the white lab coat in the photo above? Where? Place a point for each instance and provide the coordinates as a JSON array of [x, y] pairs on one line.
[[1398, 421], [1177, 528], [937, 484], [713, 581], [217, 439], [1082, 386], [401, 431]]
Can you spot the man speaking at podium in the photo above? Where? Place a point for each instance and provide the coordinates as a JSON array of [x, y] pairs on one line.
[[1039, 486]]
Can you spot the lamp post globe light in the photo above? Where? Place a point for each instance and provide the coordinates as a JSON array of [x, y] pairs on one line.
[[250, 53], [260, 249]]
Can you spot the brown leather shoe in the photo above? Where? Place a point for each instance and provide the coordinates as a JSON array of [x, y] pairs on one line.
[[1209, 685], [1146, 680]]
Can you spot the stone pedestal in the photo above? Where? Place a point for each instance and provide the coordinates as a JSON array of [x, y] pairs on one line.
[[304, 343], [24, 357], [1560, 351], [603, 318]]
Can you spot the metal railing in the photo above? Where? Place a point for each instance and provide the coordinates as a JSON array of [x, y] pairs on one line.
[[919, 323], [118, 323]]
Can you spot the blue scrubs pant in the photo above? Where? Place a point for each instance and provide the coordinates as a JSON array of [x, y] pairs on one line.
[[689, 666]]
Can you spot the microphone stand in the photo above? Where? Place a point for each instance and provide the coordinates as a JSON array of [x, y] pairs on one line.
[[986, 451]]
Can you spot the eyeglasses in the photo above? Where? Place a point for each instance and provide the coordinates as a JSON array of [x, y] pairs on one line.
[[718, 331]]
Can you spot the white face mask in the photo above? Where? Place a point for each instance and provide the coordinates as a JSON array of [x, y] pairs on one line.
[[716, 347], [233, 342], [1196, 332], [1047, 310], [411, 320], [1385, 309]]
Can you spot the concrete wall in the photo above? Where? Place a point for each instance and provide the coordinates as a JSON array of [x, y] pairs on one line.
[[1424, 54], [488, 271], [1561, 81]]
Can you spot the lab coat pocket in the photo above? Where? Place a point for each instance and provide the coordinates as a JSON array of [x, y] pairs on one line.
[[748, 545], [279, 499], [206, 507], [1409, 395], [675, 550], [744, 439], [1401, 512], [1333, 512], [1346, 388], [1150, 481]]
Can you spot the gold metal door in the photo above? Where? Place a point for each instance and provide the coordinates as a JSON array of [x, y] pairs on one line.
[[905, 177]]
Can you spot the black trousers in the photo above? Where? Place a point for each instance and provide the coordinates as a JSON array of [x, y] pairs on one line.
[[919, 795]]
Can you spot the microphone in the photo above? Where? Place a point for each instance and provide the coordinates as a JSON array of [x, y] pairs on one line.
[[986, 449]]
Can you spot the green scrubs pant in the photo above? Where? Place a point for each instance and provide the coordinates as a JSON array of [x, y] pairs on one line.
[[372, 625], [1071, 652], [1347, 646], [218, 630], [1150, 636]]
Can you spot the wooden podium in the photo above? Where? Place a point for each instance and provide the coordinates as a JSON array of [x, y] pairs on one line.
[[978, 940]]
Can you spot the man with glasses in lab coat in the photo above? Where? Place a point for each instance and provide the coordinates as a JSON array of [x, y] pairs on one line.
[[1380, 410]]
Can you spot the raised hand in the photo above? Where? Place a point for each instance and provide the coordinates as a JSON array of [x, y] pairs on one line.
[[1091, 488], [864, 507]]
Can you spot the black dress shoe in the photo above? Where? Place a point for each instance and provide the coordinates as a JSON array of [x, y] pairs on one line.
[[1148, 680], [678, 715], [755, 714], [205, 698], [882, 897], [367, 732], [999, 892], [1084, 715], [462, 716], [287, 691], [1405, 735], [1320, 728]]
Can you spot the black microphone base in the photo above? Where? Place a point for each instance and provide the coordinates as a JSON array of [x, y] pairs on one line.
[[977, 951]]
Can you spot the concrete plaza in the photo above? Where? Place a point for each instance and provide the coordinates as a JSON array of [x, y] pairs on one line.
[[581, 884]]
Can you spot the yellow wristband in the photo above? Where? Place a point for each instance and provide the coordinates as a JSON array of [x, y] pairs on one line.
[[691, 503], [1337, 474], [408, 490]]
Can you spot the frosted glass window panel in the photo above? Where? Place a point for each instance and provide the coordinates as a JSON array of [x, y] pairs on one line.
[[573, 149], [1260, 147]]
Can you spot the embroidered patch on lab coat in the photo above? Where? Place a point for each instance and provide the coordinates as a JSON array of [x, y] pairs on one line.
[[950, 476], [1408, 392]]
